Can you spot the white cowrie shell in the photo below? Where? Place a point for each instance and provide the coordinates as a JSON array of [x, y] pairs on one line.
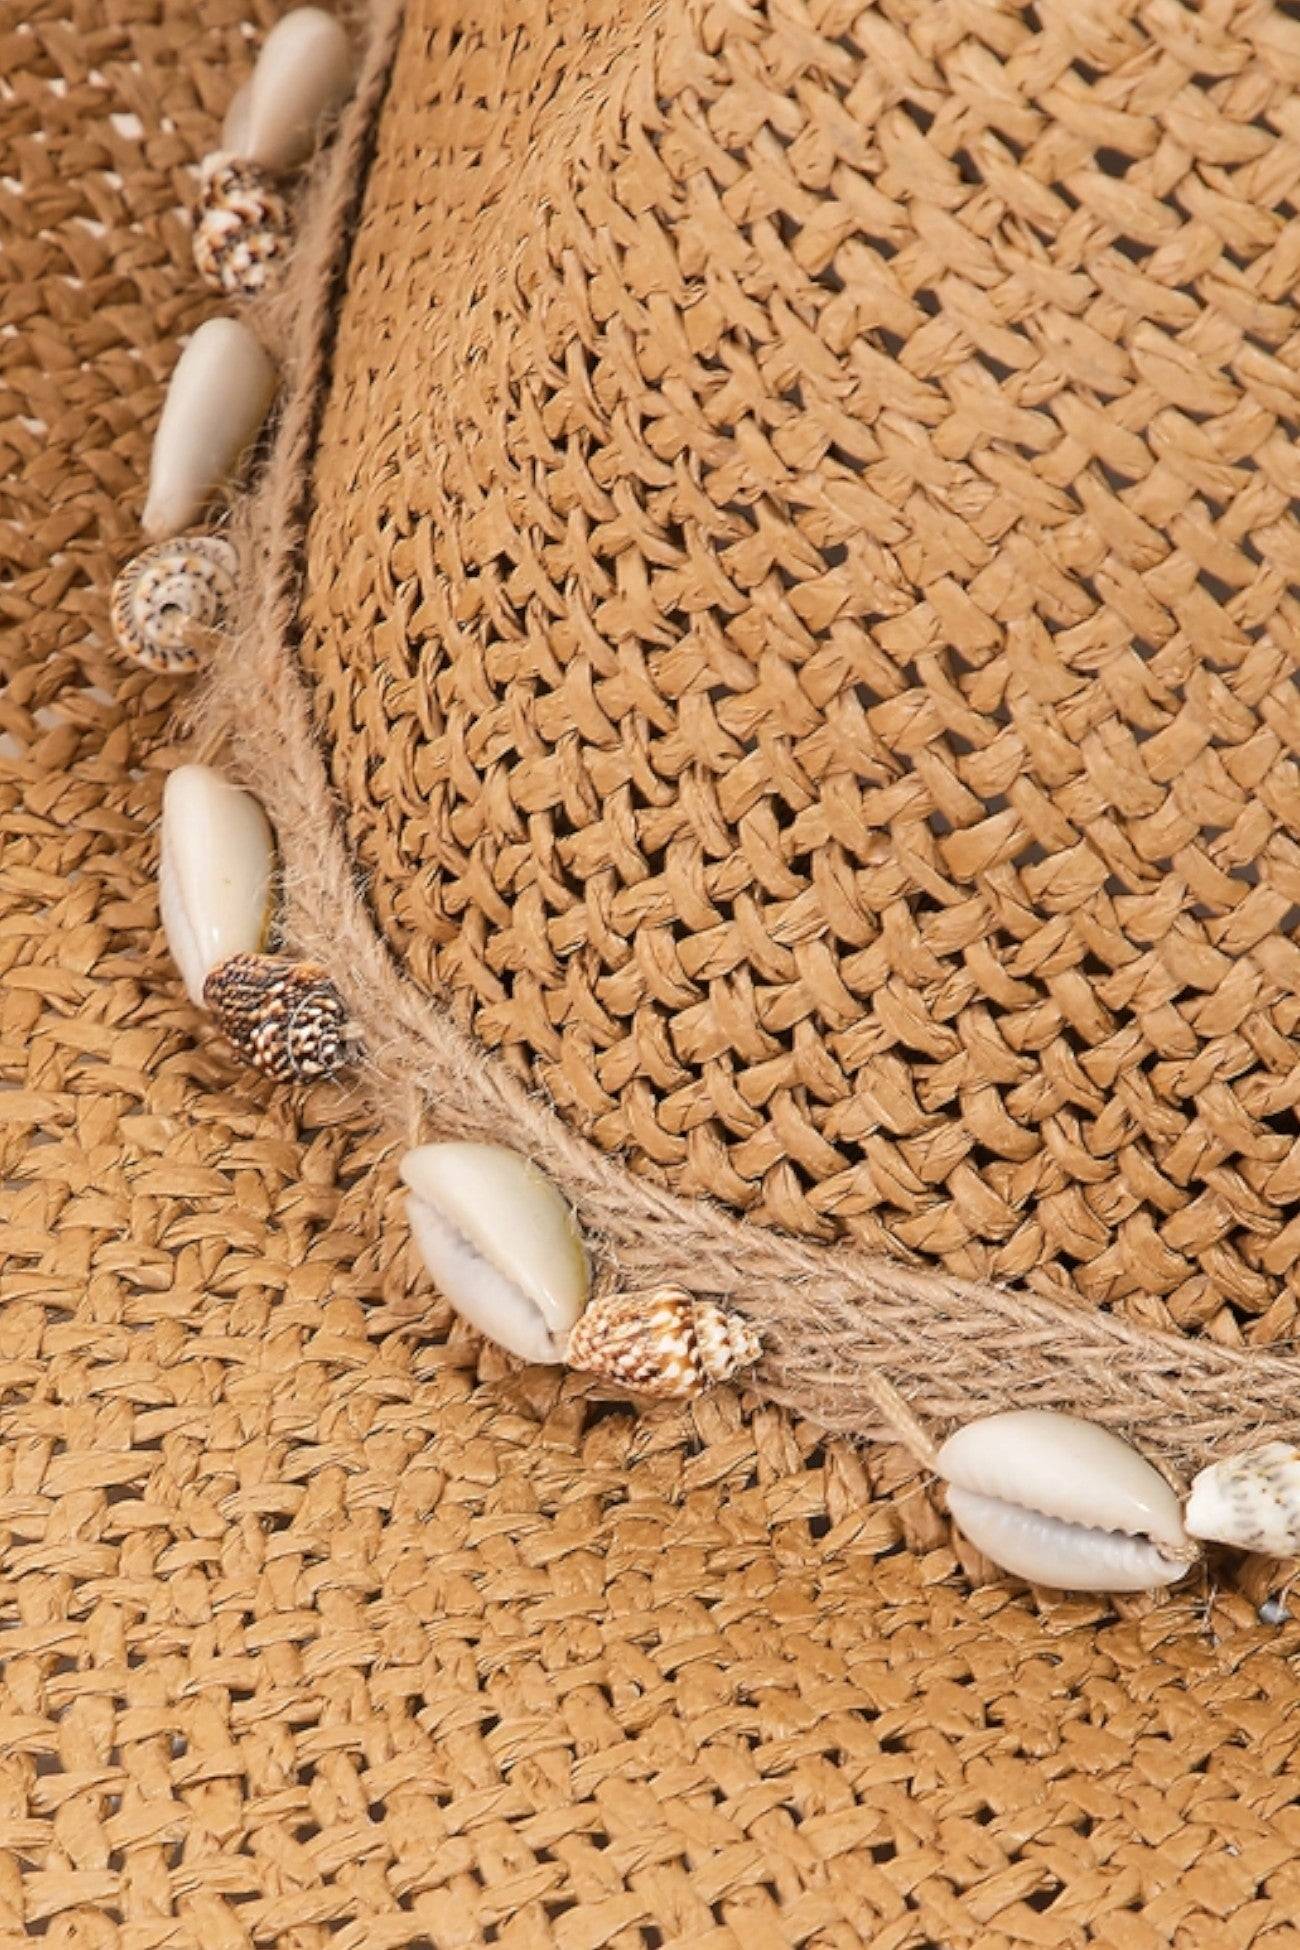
[[1251, 1501], [500, 1243], [217, 400], [215, 872], [303, 74], [1062, 1502]]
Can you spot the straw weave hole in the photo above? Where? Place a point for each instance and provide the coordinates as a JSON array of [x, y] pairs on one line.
[[800, 608]]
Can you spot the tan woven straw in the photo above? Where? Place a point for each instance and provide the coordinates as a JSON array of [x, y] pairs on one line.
[[798, 614], [320, 1623]]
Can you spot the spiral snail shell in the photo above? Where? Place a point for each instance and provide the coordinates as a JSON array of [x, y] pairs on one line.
[[242, 227], [284, 1017], [172, 602], [1251, 1501], [663, 1343]]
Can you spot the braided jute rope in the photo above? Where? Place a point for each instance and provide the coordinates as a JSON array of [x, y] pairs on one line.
[[861, 1344]]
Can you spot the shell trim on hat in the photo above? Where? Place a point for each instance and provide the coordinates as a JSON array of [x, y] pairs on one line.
[[861, 1344]]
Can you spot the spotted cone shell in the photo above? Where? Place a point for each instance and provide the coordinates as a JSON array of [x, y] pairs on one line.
[[284, 1017], [1251, 1501], [242, 227], [172, 602], [663, 1343]]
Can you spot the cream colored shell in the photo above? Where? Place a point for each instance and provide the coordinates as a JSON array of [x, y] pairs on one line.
[[215, 873], [218, 398], [303, 74], [500, 1244], [1251, 1501], [1062, 1502]]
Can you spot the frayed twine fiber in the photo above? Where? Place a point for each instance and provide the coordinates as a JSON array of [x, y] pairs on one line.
[[860, 1343]]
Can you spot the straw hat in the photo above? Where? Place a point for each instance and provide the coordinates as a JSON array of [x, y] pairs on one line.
[[769, 651]]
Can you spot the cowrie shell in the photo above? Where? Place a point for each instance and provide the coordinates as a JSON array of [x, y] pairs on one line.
[[302, 76], [217, 400], [215, 873], [1251, 1501], [500, 1243], [1062, 1502]]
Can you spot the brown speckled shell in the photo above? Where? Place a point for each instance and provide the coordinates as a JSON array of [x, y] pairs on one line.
[[284, 1017], [663, 1343], [171, 602], [243, 230]]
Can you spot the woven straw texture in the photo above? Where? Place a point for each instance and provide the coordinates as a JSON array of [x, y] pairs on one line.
[[799, 611], [317, 1627]]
